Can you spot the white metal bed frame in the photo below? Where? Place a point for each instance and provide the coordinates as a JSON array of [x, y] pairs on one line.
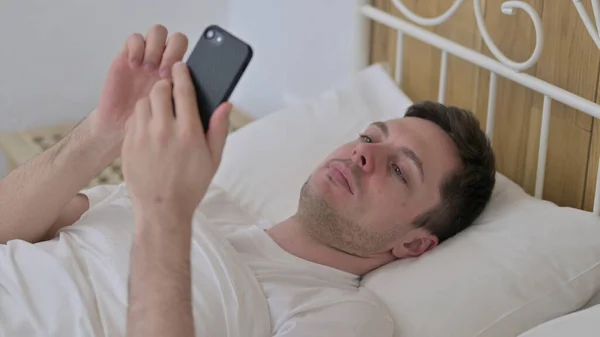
[[503, 66]]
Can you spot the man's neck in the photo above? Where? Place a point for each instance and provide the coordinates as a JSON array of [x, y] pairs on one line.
[[293, 238]]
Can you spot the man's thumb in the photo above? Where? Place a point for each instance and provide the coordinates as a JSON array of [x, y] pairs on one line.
[[218, 130]]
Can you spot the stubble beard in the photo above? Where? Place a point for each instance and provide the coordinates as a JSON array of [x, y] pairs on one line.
[[326, 225]]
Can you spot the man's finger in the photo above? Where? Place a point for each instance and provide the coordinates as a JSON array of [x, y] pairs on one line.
[[218, 130], [155, 46], [136, 122], [186, 106], [130, 124], [135, 49], [143, 110], [161, 100], [130, 128], [176, 48]]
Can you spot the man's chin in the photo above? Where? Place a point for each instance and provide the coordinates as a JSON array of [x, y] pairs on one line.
[[317, 199], [317, 187]]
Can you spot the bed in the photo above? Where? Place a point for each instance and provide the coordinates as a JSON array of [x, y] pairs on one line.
[[530, 265]]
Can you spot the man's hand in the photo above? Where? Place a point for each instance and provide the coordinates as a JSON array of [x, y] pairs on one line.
[[39, 197], [168, 161], [136, 68]]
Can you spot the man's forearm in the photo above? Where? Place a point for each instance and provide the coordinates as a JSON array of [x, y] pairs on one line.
[[32, 196], [160, 295]]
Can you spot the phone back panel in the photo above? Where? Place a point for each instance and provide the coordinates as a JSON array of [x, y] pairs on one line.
[[216, 67]]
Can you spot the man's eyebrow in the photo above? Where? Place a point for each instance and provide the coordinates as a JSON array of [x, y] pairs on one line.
[[415, 159], [382, 127]]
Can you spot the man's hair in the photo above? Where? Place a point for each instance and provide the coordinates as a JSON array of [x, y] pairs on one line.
[[465, 192]]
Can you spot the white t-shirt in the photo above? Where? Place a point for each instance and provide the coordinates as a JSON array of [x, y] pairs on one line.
[[306, 298], [243, 283]]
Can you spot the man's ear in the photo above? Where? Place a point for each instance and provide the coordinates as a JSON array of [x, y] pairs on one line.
[[415, 247]]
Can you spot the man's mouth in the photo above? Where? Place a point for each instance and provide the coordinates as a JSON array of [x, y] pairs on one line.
[[341, 174]]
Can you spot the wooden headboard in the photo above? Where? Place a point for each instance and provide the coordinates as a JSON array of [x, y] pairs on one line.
[[570, 60]]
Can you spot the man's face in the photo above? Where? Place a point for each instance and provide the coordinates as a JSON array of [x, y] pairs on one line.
[[364, 197]]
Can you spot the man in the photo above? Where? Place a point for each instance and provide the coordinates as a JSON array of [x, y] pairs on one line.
[[397, 191]]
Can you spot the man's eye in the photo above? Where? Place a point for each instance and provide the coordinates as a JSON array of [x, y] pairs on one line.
[[366, 138], [398, 171]]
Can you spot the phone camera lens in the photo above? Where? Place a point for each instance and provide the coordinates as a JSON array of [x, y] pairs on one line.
[[210, 34]]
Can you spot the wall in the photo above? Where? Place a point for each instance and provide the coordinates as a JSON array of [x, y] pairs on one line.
[[55, 54], [301, 48], [569, 60]]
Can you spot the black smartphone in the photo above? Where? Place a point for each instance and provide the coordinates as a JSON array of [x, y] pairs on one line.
[[216, 64]]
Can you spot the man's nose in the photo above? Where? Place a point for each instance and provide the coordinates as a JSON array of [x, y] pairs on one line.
[[363, 157]]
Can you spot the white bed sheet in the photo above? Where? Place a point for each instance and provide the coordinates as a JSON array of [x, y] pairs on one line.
[[76, 284]]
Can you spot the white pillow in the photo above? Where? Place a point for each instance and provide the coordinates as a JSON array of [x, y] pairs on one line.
[[584, 323], [594, 301], [526, 262]]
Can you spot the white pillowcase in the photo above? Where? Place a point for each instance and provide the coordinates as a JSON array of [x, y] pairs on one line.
[[526, 262], [584, 323], [594, 301]]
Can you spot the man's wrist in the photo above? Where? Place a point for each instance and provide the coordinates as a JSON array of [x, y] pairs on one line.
[[105, 143], [158, 220], [164, 239], [77, 158]]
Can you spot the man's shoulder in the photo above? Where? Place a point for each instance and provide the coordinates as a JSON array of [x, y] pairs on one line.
[[359, 305], [359, 297], [363, 301]]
